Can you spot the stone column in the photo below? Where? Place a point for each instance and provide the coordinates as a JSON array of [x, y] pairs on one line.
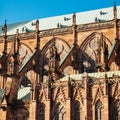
[[3, 110], [33, 106], [47, 110], [106, 107], [68, 109]]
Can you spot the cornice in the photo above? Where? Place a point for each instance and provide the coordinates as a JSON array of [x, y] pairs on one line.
[[64, 30], [94, 26]]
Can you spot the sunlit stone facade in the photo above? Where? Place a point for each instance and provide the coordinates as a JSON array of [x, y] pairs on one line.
[[68, 72]]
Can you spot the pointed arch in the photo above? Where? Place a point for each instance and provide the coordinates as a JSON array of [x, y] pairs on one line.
[[42, 111], [60, 95], [59, 112], [62, 49], [99, 110], [89, 54], [77, 110], [98, 95], [78, 96], [89, 38], [47, 45]]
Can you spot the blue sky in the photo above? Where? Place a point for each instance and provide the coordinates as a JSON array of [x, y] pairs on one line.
[[24, 10]]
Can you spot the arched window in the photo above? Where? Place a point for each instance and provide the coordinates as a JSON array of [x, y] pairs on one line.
[[99, 111], [116, 111], [42, 112], [59, 113], [76, 110]]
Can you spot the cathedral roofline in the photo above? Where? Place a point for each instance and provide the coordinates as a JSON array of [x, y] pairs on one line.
[[92, 16]]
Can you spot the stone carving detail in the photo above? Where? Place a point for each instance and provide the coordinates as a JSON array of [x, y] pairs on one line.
[[55, 31], [77, 94], [31, 35], [61, 49], [89, 53], [59, 95], [94, 26]]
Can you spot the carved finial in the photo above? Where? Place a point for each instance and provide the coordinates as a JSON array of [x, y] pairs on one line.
[[37, 25], [17, 32], [5, 37], [5, 28], [115, 10], [74, 19], [18, 40], [37, 35]]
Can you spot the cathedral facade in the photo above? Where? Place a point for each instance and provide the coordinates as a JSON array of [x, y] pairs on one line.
[[62, 70]]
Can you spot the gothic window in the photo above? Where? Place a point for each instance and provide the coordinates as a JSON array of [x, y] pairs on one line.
[[59, 113], [116, 111], [76, 110], [99, 111], [42, 112], [49, 62]]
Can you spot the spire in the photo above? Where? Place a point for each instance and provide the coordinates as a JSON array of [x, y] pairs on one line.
[[74, 19], [5, 37], [37, 25], [115, 20], [16, 52], [37, 35], [74, 29], [16, 42], [115, 10]]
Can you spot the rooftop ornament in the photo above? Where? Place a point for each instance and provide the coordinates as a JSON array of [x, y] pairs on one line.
[[103, 13], [99, 20], [25, 29], [66, 19], [59, 25], [33, 24]]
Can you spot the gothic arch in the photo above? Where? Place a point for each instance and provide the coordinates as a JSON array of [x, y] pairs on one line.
[[42, 111], [62, 49], [45, 48], [26, 46], [99, 110], [77, 110], [98, 95], [78, 96], [59, 112], [92, 36], [88, 51]]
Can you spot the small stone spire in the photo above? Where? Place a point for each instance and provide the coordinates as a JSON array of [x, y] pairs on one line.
[[37, 25], [74, 19], [16, 52], [5, 47], [115, 20], [115, 11], [16, 42], [37, 35], [5, 37], [74, 29]]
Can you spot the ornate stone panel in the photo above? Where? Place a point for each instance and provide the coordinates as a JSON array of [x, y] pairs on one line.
[[90, 51], [62, 49]]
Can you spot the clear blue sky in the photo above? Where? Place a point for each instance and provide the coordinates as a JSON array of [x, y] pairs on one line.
[[24, 10]]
